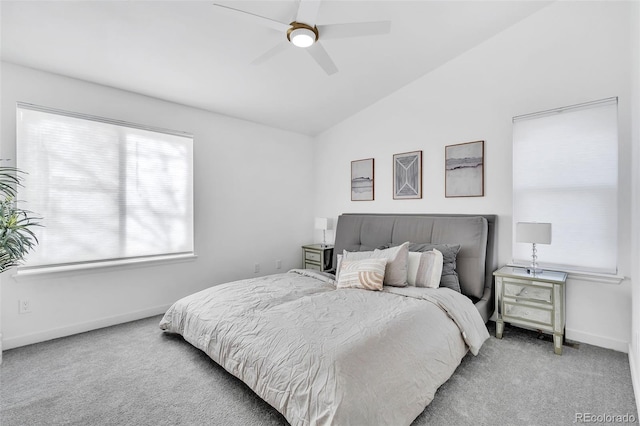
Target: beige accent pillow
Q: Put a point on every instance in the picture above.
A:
(425, 269)
(367, 274)
(396, 271)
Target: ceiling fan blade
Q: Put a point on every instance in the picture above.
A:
(321, 56)
(276, 25)
(270, 53)
(357, 29)
(308, 12)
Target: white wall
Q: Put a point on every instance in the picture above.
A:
(567, 53)
(253, 204)
(634, 347)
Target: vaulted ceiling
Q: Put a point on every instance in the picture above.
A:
(197, 54)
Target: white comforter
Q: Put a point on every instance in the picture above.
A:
(324, 356)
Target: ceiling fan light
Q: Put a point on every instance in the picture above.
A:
(302, 37)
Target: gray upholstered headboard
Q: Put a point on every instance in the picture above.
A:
(476, 259)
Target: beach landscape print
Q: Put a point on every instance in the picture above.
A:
(464, 170)
(407, 175)
(362, 180)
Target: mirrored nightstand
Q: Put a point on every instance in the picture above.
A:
(535, 301)
(317, 256)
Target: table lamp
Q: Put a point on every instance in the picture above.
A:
(534, 233)
(323, 224)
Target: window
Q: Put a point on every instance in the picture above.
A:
(565, 171)
(106, 190)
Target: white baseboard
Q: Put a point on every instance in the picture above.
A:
(68, 330)
(635, 379)
(596, 340)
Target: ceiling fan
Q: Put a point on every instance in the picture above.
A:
(304, 33)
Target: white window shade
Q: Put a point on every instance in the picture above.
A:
(565, 172)
(106, 190)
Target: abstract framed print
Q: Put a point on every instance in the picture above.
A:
(464, 170)
(407, 175)
(362, 180)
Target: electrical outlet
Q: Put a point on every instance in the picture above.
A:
(256, 268)
(24, 306)
(278, 264)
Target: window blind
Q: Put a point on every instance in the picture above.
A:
(565, 171)
(106, 190)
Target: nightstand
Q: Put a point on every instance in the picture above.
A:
(529, 300)
(317, 256)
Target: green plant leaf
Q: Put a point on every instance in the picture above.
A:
(16, 236)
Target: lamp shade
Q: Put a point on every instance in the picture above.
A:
(322, 223)
(533, 232)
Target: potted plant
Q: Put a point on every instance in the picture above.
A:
(16, 235)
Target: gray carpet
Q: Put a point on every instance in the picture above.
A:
(134, 374)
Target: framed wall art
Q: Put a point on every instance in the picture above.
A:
(407, 175)
(362, 180)
(464, 169)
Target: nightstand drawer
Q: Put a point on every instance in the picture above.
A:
(313, 256)
(312, 266)
(527, 313)
(520, 290)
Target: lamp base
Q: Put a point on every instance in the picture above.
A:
(534, 271)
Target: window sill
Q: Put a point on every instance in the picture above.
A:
(94, 267)
(585, 276)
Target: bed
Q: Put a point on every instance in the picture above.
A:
(323, 355)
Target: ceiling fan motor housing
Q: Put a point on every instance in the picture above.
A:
(302, 35)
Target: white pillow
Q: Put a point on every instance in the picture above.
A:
(424, 269)
(367, 274)
(396, 270)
